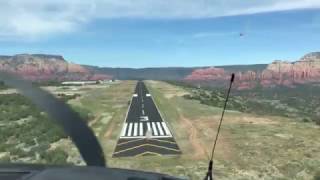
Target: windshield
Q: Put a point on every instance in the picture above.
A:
(150, 78)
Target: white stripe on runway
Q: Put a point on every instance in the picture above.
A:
(141, 129)
(165, 128)
(160, 129)
(154, 129)
(129, 130)
(124, 129)
(149, 127)
(135, 130)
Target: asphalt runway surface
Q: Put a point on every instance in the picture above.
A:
(144, 132)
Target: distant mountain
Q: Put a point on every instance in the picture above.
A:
(40, 67)
(54, 67)
(305, 70)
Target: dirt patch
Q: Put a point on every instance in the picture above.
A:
(250, 120)
(174, 94)
(109, 130)
(208, 126)
(199, 149)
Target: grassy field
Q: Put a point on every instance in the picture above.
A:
(250, 146)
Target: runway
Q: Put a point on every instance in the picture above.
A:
(144, 132)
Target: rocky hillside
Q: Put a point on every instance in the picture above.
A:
(305, 70)
(51, 67)
(38, 67)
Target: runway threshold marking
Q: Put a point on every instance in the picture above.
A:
(166, 129)
(130, 129)
(141, 129)
(124, 128)
(154, 128)
(148, 126)
(141, 139)
(135, 130)
(160, 129)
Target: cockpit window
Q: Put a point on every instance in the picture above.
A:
(151, 80)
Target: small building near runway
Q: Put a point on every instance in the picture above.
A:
(79, 83)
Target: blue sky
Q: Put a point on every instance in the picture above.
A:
(200, 33)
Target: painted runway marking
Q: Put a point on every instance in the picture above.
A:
(129, 130)
(154, 129)
(135, 130)
(124, 129)
(141, 129)
(144, 130)
(149, 127)
(166, 129)
(144, 118)
(160, 129)
(147, 144)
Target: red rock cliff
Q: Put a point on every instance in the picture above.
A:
(47, 67)
(305, 70)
